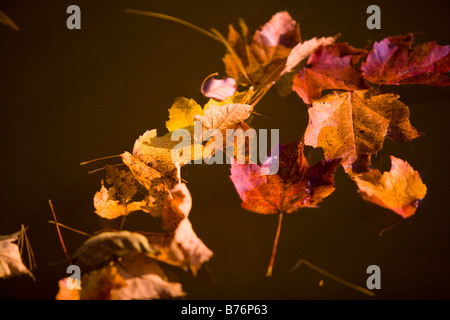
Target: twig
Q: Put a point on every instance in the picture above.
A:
(59, 233)
(331, 276)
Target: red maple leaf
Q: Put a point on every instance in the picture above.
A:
(393, 60)
(295, 185)
(330, 67)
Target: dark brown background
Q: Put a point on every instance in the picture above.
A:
(70, 96)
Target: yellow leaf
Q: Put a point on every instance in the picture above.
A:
(181, 114)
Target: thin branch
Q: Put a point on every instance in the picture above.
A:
(71, 229)
(59, 232)
(98, 159)
(173, 19)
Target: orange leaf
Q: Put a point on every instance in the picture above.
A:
(399, 190)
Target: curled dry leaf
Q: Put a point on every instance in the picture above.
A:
(400, 190)
(219, 89)
(393, 60)
(295, 185)
(330, 67)
(99, 250)
(10, 260)
(350, 125)
(181, 246)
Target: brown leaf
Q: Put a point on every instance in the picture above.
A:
(330, 67)
(393, 60)
(294, 186)
(400, 190)
(354, 124)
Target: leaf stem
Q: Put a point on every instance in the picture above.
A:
(275, 244)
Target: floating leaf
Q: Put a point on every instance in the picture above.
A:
(349, 125)
(393, 60)
(224, 117)
(107, 246)
(295, 185)
(304, 49)
(181, 247)
(260, 60)
(107, 207)
(144, 279)
(64, 293)
(399, 190)
(181, 114)
(330, 67)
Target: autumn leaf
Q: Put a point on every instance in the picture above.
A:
(144, 279)
(135, 276)
(393, 60)
(261, 59)
(181, 114)
(123, 185)
(65, 293)
(10, 260)
(304, 49)
(99, 250)
(152, 166)
(224, 117)
(106, 206)
(330, 67)
(400, 190)
(180, 246)
(219, 89)
(99, 284)
(5, 20)
(351, 125)
(295, 185)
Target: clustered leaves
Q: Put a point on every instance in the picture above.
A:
(349, 124)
